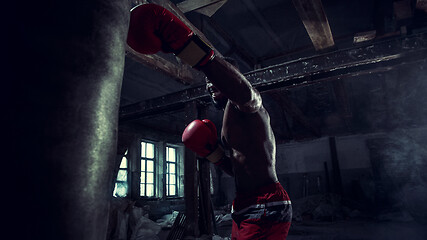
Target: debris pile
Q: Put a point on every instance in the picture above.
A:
(128, 222)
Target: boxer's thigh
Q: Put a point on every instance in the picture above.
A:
(260, 229)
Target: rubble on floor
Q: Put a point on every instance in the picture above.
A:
(324, 207)
(313, 215)
(128, 222)
(223, 215)
(167, 220)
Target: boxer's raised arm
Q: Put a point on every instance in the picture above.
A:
(230, 82)
(152, 28)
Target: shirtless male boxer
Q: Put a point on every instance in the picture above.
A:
(262, 208)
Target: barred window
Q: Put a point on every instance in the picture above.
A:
(171, 171)
(148, 170)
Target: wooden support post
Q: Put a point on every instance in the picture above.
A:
(343, 103)
(161, 173)
(328, 186)
(191, 180)
(206, 224)
(336, 173)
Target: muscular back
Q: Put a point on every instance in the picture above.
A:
(251, 140)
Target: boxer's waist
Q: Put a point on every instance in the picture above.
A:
(270, 195)
(255, 207)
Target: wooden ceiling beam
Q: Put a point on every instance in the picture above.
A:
(359, 60)
(315, 22)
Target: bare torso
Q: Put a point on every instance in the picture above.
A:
(246, 129)
(252, 144)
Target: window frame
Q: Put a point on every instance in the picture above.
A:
(154, 172)
(167, 174)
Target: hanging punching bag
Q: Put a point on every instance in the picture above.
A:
(66, 66)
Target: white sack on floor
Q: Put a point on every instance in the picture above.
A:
(145, 229)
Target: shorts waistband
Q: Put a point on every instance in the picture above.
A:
(261, 206)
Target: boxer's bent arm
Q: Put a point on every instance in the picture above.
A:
(225, 164)
(232, 84)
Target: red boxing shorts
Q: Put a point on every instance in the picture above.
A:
(263, 214)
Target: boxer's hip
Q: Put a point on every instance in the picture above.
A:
(270, 203)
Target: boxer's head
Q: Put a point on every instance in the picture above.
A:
(219, 100)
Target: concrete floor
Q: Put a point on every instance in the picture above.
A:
(342, 230)
(357, 230)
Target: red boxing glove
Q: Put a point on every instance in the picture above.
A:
(153, 28)
(201, 138)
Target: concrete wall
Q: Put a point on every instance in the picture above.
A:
(370, 164)
(305, 168)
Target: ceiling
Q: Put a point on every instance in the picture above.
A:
(268, 36)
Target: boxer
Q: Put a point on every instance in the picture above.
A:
(262, 208)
